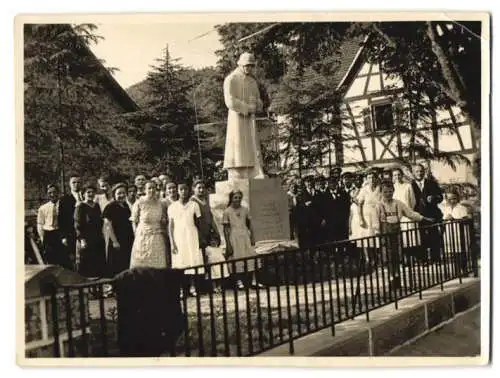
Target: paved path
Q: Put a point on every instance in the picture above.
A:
(459, 338)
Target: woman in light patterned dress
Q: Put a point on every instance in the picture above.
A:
(238, 233)
(149, 219)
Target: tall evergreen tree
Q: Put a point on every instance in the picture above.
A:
(165, 124)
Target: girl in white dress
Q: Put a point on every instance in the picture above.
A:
(238, 233)
(183, 218)
(453, 210)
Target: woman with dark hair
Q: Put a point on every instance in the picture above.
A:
(91, 259)
(149, 222)
(116, 217)
(183, 226)
(207, 230)
(238, 233)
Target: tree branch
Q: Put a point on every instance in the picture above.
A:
(384, 35)
(447, 70)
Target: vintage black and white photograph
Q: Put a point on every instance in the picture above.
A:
(228, 186)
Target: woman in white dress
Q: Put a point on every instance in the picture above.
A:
(354, 227)
(149, 221)
(368, 198)
(404, 192)
(102, 199)
(183, 221)
(239, 237)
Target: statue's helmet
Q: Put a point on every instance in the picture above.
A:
(246, 59)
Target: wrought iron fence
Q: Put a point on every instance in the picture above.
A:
(301, 291)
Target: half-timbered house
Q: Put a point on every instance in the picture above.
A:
(375, 127)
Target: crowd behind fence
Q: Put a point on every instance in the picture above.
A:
(304, 291)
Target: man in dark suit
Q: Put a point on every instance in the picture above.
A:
(323, 205)
(66, 216)
(335, 210)
(428, 195)
(346, 189)
(292, 209)
(305, 213)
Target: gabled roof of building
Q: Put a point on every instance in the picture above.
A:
(123, 98)
(350, 53)
(116, 89)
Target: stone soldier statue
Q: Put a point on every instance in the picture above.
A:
(242, 155)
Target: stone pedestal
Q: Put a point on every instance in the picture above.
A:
(266, 201)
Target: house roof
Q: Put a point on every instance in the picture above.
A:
(350, 52)
(116, 89)
(109, 81)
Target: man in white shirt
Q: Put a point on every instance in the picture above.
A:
(48, 229)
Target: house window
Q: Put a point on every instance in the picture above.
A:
(383, 117)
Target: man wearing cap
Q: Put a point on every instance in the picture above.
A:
(336, 175)
(242, 156)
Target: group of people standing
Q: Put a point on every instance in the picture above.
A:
(361, 206)
(101, 230)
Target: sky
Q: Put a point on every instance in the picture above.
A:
(133, 48)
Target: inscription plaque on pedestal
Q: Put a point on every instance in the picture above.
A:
(269, 210)
(267, 203)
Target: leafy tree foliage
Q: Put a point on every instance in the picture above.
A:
(66, 116)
